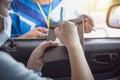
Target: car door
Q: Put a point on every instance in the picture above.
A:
(102, 56)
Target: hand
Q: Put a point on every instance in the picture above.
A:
(36, 59)
(38, 32)
(89, 24)
(67, 33)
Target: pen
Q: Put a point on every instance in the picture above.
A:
(61, 14)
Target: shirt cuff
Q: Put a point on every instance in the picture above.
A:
(38, 73)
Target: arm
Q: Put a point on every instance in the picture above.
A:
(38, 32)
(79, 67)
(67, 33)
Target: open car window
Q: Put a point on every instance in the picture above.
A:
(97, 10)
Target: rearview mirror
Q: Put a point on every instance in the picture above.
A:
(113, 16)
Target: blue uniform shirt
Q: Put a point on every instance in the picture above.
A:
(26, 14)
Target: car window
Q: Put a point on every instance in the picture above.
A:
(97, 10)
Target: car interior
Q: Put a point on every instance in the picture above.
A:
(101, 47)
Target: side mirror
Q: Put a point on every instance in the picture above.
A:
(113, 16)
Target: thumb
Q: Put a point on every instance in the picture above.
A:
(47, 44)
(39, 51)
(42, 47)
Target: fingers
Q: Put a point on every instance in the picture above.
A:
(42, 47)
(87, 27)
(90, 21)
(42, 35)
(47, 44)
(60, 24)
(88, 24)
(65, 25)
(42, 32)
(57, 30)
(39, 51)
(42, 29)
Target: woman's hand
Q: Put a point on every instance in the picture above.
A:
(36, 59)
(67, 33)
(38, 32)
(88, 23)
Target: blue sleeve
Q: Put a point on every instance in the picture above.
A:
(19, 27)
(15, 30)
(13, 70)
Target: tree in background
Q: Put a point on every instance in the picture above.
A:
(115, 1)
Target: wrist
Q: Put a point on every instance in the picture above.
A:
(72, 43)
(38, 73)
(74, 46)
(25, 36)
(34, 65)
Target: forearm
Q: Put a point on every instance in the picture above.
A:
(79, 67)
(23, 36)
(35, 64)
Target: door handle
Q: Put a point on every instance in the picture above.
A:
(100, 62)
(11, 46)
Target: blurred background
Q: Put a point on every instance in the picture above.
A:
(97, 9)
